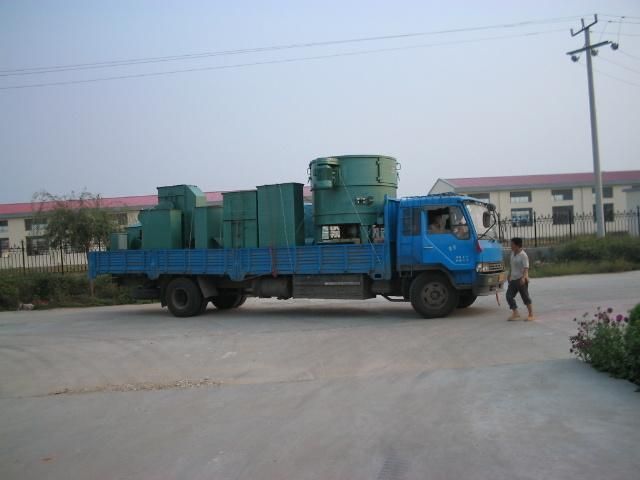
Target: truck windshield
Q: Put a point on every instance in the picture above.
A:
(477, 211)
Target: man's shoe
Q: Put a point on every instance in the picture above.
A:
(530, 318)
(514, 316)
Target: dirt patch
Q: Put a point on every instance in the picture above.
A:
(141, 386)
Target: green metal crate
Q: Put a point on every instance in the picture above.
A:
(240, 233)
(208, 226)
(185, 198)
(161, 228)
(118, 241)
(240, 205)
(134, 237)
(281, 215)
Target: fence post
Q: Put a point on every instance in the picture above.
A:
(535, 230)
(24, 264)
(570, 225)
(61, 259)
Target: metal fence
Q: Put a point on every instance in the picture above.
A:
(22, 259)
(549, 230)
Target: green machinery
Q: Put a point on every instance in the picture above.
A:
(281, 215)
(240, 219)
(171, 223)
(134, 236)
(348, 200)
(161, 228)
(348, 195)
(208, 226)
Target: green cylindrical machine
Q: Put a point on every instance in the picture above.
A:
(348, 195)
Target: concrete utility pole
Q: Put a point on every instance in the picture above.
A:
(591, 51)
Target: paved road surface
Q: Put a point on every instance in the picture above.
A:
(316, 390)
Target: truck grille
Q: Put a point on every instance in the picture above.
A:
(494, 267)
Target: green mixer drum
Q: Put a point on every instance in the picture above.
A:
(350, 189)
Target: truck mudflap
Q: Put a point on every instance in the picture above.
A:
(488, 283)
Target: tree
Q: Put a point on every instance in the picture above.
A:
(76, 220)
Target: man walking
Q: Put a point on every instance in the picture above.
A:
(519, 280)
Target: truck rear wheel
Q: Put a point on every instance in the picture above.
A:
(466, 299)
(184, 298)
(225, 301)
(432, 295)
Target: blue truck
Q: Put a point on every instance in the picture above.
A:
(437, 252)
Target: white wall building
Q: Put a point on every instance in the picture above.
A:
(560, 196)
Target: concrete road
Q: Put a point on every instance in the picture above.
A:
(316, 390)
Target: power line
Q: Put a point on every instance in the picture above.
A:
(619, 16)
(613, 77)
(191, 56)
(617, 78)
(623, 20)
(273, 62)
(629, 55)
(623, 34)
(620, 65)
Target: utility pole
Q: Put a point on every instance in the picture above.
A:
(591, 51)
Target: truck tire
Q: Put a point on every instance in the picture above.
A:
(184, 297)
(225, 301)
(432, 295)
(466, 299)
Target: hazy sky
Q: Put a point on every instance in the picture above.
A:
(501, 107)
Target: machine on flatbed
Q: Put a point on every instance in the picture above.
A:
(438, 252)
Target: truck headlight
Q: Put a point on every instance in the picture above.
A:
(484, 267)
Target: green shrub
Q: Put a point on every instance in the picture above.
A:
(634, 315)
(632, 347)
(57, 290)
(601, 249)
(9, 295)
(610, 343)
(607, 350)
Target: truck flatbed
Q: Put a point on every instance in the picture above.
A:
(240, 263)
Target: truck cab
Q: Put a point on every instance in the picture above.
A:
(447, 252)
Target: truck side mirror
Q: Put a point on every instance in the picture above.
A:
(486, 219)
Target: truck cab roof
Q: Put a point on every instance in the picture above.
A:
(437, 199)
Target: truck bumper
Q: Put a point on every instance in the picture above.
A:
(488, 283)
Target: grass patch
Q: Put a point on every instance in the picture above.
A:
(590, 255)
(581, 268)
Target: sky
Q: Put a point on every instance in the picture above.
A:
(463, 106)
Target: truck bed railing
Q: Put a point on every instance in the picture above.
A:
(240, 263)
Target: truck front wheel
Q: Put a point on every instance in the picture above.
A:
(184, 297)
(466, 299)
(432, 295)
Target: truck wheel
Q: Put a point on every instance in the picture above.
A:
(432, 295)
(225, 301)
(466, 299)
(184, 297)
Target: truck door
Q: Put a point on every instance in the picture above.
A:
(409, 236)
(447, 238)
